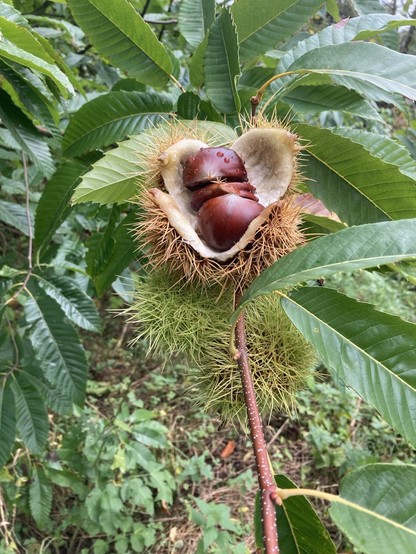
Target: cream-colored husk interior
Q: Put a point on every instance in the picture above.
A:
(268, 155)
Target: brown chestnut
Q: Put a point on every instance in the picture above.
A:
(223, 220)
(213, 164)
(201, 195)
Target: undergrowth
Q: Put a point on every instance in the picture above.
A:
(141, 469)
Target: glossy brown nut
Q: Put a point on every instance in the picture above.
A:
(199, 196)
(213, 164)
(223, 220)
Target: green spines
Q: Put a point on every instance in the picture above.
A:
(177, 318)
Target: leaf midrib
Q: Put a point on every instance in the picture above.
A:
(349, 182)
(114, 121)
(350, 343)
(365, 77)
(247, 37)
(135, 44)
(377, 261)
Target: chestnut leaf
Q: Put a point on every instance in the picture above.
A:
(370, 351)
(261, 25)
(359, 175)
(382, 521)
(222, 65)
(7, 421)
(119, 32)
(113, 117)
(350, 249)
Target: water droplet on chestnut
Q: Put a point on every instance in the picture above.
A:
(213, 164)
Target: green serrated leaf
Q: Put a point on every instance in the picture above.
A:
(26, 135)
(56, 346)
(11, 52)
(114, 177)
(370, 351)
(315, 99)
(122, 253)
(31, 415)
(195, 18)
(343, 32)
(120, 33)
(363, 62)
(101, 244)
(353, 180)
(14, 214)
(23, 39)
(75, 303)
(37, 106)
(347, 250)
(380, 517)
(339, 33)
(389, 150)
(300, 529)
(299, 525)
(263, 24)
(222, 65)
(53, 206)
(112, 117)
(197, 64)
(188, 105)
(7, 420)
(59, 62)
(40, 497)
(51, 395)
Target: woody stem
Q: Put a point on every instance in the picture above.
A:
(267, 485)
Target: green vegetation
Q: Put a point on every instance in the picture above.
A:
(103, 446)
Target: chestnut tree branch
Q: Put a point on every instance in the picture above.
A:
(267, 485)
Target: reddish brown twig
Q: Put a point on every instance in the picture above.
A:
(267, 485)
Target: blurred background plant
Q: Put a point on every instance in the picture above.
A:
(118, 460)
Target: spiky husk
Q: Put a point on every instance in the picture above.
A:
(184, 319)
(281, 363)
(180, 318)
(278, 236)
(165, 248)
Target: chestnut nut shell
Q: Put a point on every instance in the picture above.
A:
(213, 164)
(201, 195)
(269, 155)
(224, 219)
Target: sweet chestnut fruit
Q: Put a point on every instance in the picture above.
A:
(223, 220)
(213, 164)
(221, 194)
(201, 195)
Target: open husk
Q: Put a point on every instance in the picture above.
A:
(169, 231)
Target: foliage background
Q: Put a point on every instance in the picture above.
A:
(117, 459)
